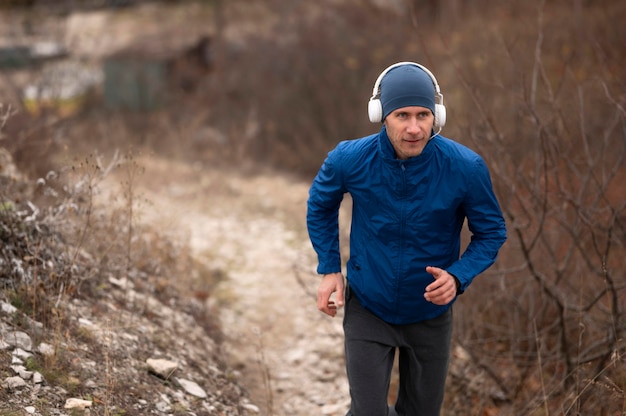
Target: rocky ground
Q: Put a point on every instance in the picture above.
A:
(278, 355)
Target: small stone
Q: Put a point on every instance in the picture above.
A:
(74, 403)
(13, 382)
(85, 323)
(37, 378)
(7, 308)
(19, 339)
(21, 371)
(192, 388)
(251, 408)
(30, 410)
(163, 368)
(45, 349)
(122, 283)
(91, 384)
(20, 353)
(163, 407)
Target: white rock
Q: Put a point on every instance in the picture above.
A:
(13, 382)
(21, 371)
(122, 283)
(192, 388)
(37, 378)
(74, 403)
(45, 349)
(163, 407)
(26, 375)
(47, 49)
(251, 408)
(7, 308)
(162, 367)
(30, 410)
(20, 353)
(19, 339)
(85, 323)
(17, 368)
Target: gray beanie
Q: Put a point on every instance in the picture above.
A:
(406, 86)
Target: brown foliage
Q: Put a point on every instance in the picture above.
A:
(550, 121)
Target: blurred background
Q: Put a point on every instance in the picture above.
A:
(536, 87)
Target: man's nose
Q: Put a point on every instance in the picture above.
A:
(413, 126)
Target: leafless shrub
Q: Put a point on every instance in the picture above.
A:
(550, 332)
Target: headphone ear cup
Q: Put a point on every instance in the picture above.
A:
(375, 110)
(440, 116)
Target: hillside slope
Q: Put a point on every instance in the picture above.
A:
(239, 332)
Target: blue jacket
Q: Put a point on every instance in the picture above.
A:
(406, 215)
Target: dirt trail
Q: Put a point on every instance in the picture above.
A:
(289, 356)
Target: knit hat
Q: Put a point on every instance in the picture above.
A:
(405, 86)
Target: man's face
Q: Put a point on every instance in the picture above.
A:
(409, 129)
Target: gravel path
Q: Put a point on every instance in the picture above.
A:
(288, 355)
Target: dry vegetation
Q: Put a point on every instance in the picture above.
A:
(536, 87)
(60, 250)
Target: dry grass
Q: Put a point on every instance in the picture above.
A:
(64, 250)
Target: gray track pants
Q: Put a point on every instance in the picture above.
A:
(370, 350)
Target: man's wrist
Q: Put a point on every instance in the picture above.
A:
(457, 282)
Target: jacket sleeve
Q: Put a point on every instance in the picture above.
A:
(486, 224)
(325, 196)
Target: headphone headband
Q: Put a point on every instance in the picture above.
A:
(376, 89)
(375, 108)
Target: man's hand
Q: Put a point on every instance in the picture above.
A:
(330, 283)
(443, 290)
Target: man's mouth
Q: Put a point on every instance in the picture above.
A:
(412, 140)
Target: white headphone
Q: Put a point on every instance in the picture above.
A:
(375, 107)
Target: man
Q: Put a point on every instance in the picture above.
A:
(412, 190)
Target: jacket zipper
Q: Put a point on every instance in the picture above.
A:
(402, 214)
